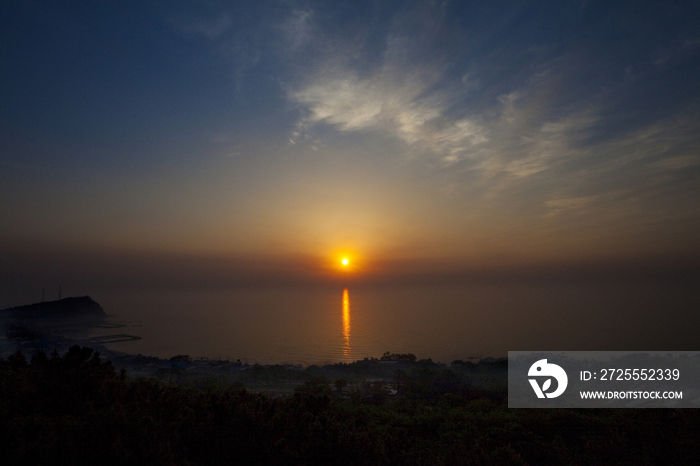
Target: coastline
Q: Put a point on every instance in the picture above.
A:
(272, 379)
(54, 327)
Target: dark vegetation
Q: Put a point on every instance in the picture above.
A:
(77, 409)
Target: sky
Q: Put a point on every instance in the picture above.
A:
(219, 142)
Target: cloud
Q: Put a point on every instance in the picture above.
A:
(670, 144)
(677, 163)
(345, 102)
(396, 86)
(537, 125)
(513, 142)
(522, 136)
(555, 141)
(574, 204)
(471, 82)
(393, 100)
(635, 176)
(297, 29)
(234, 31)
(414, 95)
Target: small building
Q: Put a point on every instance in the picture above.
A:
(378, 386)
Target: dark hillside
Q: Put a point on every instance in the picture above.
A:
(82, 306)
(76, 409)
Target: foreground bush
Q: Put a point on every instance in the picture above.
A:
(76, 409)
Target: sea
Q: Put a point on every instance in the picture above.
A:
(330, 324)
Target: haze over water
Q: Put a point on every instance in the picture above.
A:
(445, 323)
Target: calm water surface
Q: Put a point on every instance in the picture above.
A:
(321, 325)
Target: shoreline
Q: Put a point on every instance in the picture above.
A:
(272, 379)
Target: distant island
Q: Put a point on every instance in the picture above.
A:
(82, 306)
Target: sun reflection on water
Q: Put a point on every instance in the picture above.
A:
(346, 323)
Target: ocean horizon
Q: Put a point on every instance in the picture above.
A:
(331, 324)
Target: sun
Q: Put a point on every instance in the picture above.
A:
(344, 261)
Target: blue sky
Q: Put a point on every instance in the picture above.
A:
(435, 134)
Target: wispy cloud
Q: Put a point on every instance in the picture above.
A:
(535, 127)
(233, 31)
(569, 204)
(677, 163)
(297, 29)
(418, 99)
(348, 103)
(633, 176)
(394, 98)
(515, 125)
